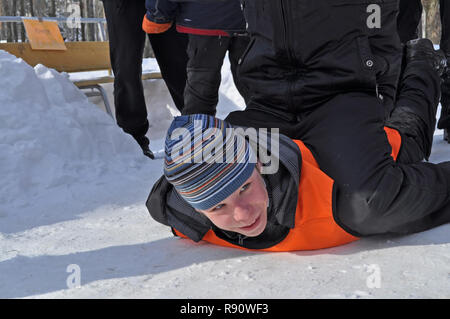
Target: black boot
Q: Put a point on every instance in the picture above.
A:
(423, 50)
(144, 144)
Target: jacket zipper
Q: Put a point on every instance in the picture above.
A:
(286, 32)
(241, 239)
(289, 53)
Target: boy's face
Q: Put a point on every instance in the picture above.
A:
(244, 211)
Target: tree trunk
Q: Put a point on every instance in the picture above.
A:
(31, 7)
(433, 20)
(52, 12)
(100, 13)
(7, 8)
(91, 28)
(22, 27)
(2, 29)
(83, 15)
(14, 24)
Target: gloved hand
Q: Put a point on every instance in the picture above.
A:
(144, 144)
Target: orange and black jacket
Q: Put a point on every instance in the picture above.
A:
(215, 18)
(301, 214)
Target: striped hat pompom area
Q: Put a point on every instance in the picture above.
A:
(206, 160)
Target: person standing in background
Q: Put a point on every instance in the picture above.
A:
(214, 28)
(127, 41)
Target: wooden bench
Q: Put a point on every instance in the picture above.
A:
(79, 57)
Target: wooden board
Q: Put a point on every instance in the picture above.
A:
(44, 35)
(79, 56)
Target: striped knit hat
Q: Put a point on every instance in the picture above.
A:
(206, 160)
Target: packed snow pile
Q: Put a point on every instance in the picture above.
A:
(50, 134)
(73, 221)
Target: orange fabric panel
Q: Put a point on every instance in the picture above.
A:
(315, 227)
(152, 27)
(395, 140)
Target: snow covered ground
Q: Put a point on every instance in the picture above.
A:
(73, 223)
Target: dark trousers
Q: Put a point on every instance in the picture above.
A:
(374, 194)
(410, 12)
(127, 40)
(206, 55)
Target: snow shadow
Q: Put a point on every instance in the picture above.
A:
(27, 276)
(69, 202)
(437, 236)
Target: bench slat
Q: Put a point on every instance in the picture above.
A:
(110, 79)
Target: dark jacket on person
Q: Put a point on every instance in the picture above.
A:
(211, 18)
(304, 52)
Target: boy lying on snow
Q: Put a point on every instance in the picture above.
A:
(346, 173)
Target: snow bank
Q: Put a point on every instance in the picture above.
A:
(50, 135)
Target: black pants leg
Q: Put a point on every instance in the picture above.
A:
(444, 120)
(126, 49)
(374, 193)
(237, 48)
(444, 7)
(127, 40)
(206, 54)
(170, 49)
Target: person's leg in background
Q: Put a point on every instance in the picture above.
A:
(127, 41)
(206, 54)
(410, 12)
(238, 45)
(444, 8)
(409, 15)
(444, 120)
(170, 49)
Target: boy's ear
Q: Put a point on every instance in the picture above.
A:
(258, 166)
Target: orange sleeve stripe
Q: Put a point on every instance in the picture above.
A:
(152, 27)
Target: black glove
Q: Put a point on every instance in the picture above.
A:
(144, 144)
